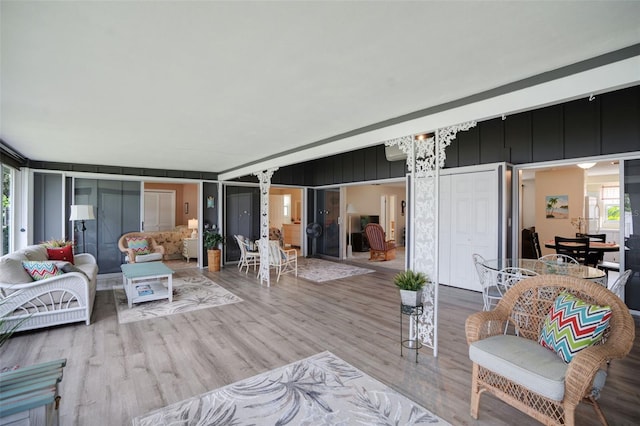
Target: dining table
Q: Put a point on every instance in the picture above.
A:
(542, 267)
(599, 246)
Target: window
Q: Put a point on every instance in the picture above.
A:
(610, 196)
(7, 208)
(286, 205)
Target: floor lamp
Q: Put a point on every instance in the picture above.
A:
(350, 210)
(82, 212)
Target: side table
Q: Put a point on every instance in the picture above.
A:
(412, 341)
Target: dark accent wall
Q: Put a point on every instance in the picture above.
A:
(126, 171)
(609, 124)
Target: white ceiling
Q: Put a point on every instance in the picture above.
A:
(213, 86)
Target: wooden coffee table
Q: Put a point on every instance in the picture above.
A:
(145, 281)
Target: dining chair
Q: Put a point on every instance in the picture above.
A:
(509, 276)
(282, 260)
(535, 240)
(578, 248)
(594, 258)
(618, 285)
(247, 257)
(487, 276)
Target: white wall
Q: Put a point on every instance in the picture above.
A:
(366, 200)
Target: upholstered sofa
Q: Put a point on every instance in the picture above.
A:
(170, 241)
(55, 300)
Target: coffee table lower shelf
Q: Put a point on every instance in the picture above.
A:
(147, 278)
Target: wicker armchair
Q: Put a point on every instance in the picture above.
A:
(156, 250)
(525, 306)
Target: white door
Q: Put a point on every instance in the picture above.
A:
(469, 224)
(276, 211)
(159, 210)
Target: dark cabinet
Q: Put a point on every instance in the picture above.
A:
(359, 242)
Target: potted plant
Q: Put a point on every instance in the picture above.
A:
(410, 284)
(212, 241)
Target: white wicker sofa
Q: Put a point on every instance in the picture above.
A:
(52, 301)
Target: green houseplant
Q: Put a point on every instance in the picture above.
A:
(212, 241)
(410, 284)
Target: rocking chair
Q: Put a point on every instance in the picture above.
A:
(380, 249)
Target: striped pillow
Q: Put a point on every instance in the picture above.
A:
(40, 270)
(572, 325)
(139, 245)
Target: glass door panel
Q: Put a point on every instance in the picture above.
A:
(327, 214)
(632, 232)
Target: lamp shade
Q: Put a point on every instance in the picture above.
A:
(193, 224)
(350, 209)
(81, 212)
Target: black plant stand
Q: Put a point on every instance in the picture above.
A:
(413, 312)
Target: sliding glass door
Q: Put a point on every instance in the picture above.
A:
(327, 215)
(632, 231)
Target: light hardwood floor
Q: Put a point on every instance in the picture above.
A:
(116, 372)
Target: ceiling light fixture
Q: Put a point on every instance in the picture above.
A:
(423, 136)
(586, 166)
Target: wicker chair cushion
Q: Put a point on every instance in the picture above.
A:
(151, 257)
(522, 361)
(572, 325)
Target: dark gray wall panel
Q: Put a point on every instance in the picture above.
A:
(621, 121)
(517, 137)
(547, 134)
(582, 128)
(468, 147)
(492, 141)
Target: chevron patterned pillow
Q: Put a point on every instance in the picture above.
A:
(40, 270)
(572, 325)
(139, 245)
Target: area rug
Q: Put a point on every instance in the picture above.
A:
(319, 270)
(320, 390)
(190, 293)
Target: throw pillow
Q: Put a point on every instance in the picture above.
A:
(60, 253)
(572, 325)
(41, 270)
(139, 245)
(12, 272)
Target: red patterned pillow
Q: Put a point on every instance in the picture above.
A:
(60, 253)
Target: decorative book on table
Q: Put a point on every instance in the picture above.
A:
(144, 290)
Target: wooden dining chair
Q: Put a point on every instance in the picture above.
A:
(578, 248)
(594, 258)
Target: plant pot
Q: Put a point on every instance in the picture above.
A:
(213, 258)
(411, 297)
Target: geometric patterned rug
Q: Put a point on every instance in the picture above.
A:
(320, 390)
(319, 270)
(190, 292)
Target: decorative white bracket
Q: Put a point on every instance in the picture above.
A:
(264, 178)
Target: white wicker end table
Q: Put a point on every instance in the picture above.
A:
(145, 281)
